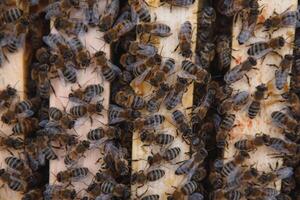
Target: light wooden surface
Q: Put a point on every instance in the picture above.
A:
(83, 126)
(12, 73)
(262, 123)
(173, 18)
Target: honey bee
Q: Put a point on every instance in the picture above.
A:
(231, 7)
(11, 15)
(234, 103)
(118, 190)
(33, 194)
(282, 73)
(82, 55)
(110, 132)
(284, 121)
(64, 139)
(186, 189)
(216, 180)
(70, 27)
(175, 95)
(91, 13)
(154, 29)
(249, 20)
(201, 110)
(259, 95)
(142, 177)
(74, 155)
(225, 126)
(165, 155)
(261, 49)
(11, 117)
(207, 17)
(191, 164)
(127, 100)
(73, 174)
(158, 77)
(239, 71)
(7, 95)
(161, 139)
(32, 104)
(232, 166)
(281, 173)
(13, 45)
(141, 49)
(26, 126)
(12, 181)
(118, 30)
(109, 71)
(206, 54)
(59, 192)
(250, 144)
(18, 166)
(8, 143)
(87, 94)
(88, 109)
(117, 114)
(22, 27)
(185, 39)
(148, 122)
(285, 19)
(294, 104)
(42, 55)
(109, 15)
(153, 104)
(220, 194)
(181, 123)
(195, 72)
(281, 146)
(180, 3)
(141, 9)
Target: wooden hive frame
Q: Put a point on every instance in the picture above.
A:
(262, 123)
(173, 17)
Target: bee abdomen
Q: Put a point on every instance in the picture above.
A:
(80, 172)
(107, 187)
(55, 113)
(95, 134)
(227, 169)
(164, 139)
(49, 153)
(78, 111)
(172, 153)
(12, 15)
(138, 103)
(189, 188)
(227, 122)
(151, 197)
(155, 174)
(14, 162)
(253, 110)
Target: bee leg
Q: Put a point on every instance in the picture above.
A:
(10, 152)
(176, 48)
(248, 80)
(273, 65)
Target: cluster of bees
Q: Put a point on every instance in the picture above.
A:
(64, 56)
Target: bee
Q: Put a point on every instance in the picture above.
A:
(159, 139)
(82, 55)
(141, 9)
(261, 49)
(216, 180)
(282, 73)
(64, 139)
(109, 71)
(206, 54)
(186, 189)
(117, 114)
(11, 15)
(285, 19)
(141, 49)
(42, 55)
(191, 164)
(54, 40)
(231, 7)
(250, 144)
(185, 39)
(181, 123)
(223, 51)
(11, 117)
(175, 95)
(90, 109)
(230, 167)
(159, 76)
(284, 121)
(91, 13)
(87, 94)
(249, 20)
(220, 194)
(153, 104)
(74, 155)
(33, 194)
(197, 73)
(207, 17)
(13, 45)
(70, 27)
(118, 30)
(255, 105)
(239, 71)
(73, 174)
(154, 29)
(7, 143)
(7, 95)
(110, 132)
(281, 146)
(142, 177)
(279, 174)
(25, 126)
(118, 190)
(18, 166)
(180, 3)
(126, 100)
(294, 104)
(12, 181)
(225, 126)
(201, 110)
(148, 122)
(59, 192)
(165, 155)
(234, 103)
(109, 15)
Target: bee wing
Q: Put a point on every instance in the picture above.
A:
(284, 172)
(25, 114)
(114, 67)
(185, 74)
(196, 196)
(52, 10)
(114, 108)
(139, 79)
(104, 197)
